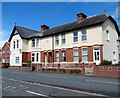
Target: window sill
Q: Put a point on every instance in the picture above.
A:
(84, 41)
(75, 42)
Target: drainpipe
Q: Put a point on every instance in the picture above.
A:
(53, 48)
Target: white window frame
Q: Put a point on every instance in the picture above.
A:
(17, 44)
(76, 55)
(57, 40)
(75, 36)
(3, 60)
(35, 42)
(63, 39)
(17, 60)
(84, 35)
(85, 55)
(57, 56)
(13, 44)
(64, 56)
(36, 57)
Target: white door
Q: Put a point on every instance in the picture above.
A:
(96, 55)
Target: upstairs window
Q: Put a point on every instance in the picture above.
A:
(14, 45)
(75, 36)
(84, 35)
(107, 35)
(37, 42)
(76, 58)
(63, 56)
(63, 38)
(33, 43)
(57, 56)
(57, 39)
(17, 43)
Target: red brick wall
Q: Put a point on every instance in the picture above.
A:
(101, 53)
(90, 54)
(69, 55)
(80, 55)
(42, 56)
(26, 56)
(114, 73)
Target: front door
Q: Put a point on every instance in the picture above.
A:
(96, 55)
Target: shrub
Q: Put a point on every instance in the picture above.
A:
(75, 71)
(5, 66)
(63, 70)
(49, 69)
(106, 62)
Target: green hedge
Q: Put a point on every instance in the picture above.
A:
(106, 62)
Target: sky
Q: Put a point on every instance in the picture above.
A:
(34, 14)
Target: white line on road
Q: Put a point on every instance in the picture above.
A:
(36, 93)
(102, 81)
(44, 85)
(51, 76)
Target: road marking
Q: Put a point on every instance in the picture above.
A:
(57, 87)
(102, 81)
(18, 73)
(51, 76)
(36, 93)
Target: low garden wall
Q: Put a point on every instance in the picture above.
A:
(107, 71)
(21, 68)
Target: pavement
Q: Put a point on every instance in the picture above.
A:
(52, 84)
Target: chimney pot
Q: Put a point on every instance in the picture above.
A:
(81, 16)
(44, 27)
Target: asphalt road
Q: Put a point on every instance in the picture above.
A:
(86, 85)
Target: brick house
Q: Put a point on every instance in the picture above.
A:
(6, 54)
(87, 40)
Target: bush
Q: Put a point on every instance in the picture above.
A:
(75, 71)
(63, 70)
(49, 69)
(28, 61)
(5, 66)
(106, 62)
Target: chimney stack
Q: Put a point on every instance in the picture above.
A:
(81, 16)
(44, 27)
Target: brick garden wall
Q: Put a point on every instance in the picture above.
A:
(107, 71)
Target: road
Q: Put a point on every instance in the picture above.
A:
(51, 84)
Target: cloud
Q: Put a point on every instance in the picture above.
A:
(2, 41)
(115, 13)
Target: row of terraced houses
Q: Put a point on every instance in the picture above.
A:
(87, 40)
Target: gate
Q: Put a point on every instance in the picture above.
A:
(88, 70)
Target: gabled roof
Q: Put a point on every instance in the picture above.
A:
(6, 43)
(88, 22)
